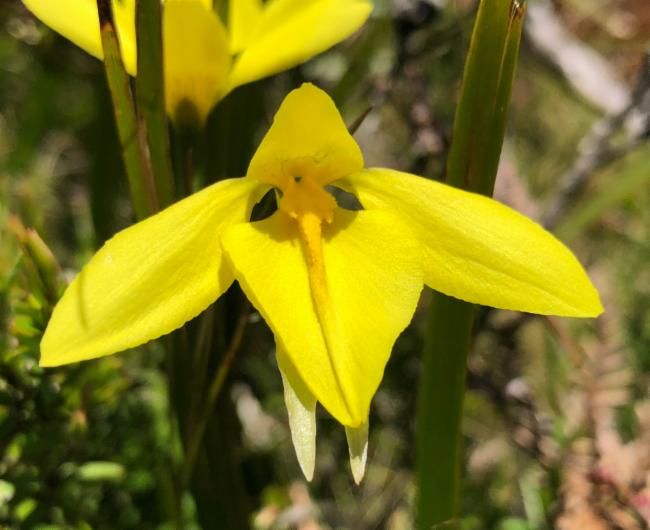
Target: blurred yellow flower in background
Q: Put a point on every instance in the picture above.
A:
(336, 286)
(204, 58)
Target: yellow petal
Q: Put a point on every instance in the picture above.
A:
(301, 407)
(77, 21)
(124, 13)
(307, 138)
(358, 448)
(150, 278)
(243, 19)
(197, 60)
(479, 250)
(374, 279)
(292, 31)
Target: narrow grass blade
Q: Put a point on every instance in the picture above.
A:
(631, 175)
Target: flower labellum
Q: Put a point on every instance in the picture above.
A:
(205, 59)
(335, 286)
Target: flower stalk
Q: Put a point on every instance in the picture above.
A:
(472, 165)
(150, 97)
(207, 409)
(133, 141)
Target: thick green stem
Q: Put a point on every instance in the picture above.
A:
(473, 160)
(198, 428)
(210, 437)
(150, 97)
(440, 410)
(211, 465)
(132, 139)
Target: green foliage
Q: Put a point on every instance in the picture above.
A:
(83, 446)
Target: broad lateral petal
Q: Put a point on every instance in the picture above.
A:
(374, 279)
(479, 250)
(197, 59)
(243, 19)
(77, 21)
(150, 278)
(301, 407)
(292, 31)
(307, 136)
(358, 448)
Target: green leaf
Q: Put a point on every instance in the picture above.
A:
(24, 509)
(513, 523)
(7, 490)
(100, 471)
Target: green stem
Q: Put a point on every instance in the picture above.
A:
(198, 430)
(201, 360)
(131, 135)
(175, 344)
(150, 96)
(473, 160)
(185, 142)
(440, 404)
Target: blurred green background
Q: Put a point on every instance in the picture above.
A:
(557, 419)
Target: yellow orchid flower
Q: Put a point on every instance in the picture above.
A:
(203, 59)
(335, 286)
